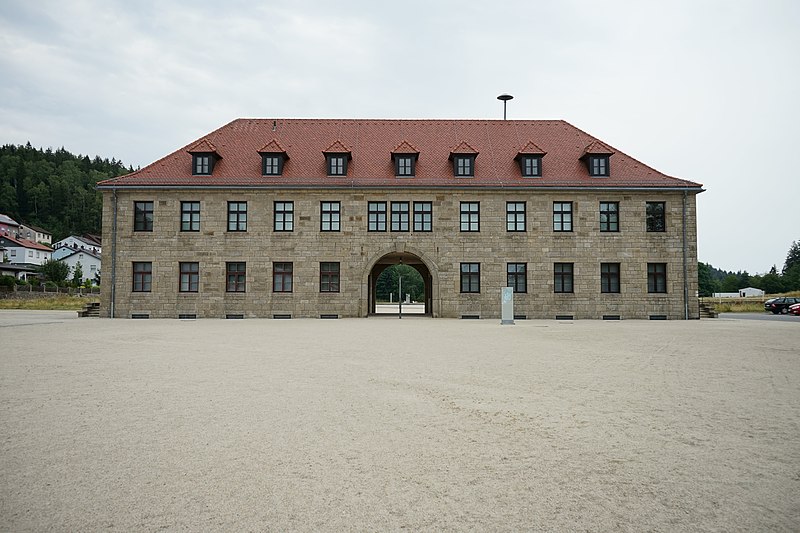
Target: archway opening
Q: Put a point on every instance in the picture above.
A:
(385, 287)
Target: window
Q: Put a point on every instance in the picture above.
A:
(376, 216)
(609, 216)
(423, 216)
(190, 277)
(399, 216)
(202, 164)
(337, 164)
(237, 216)
(656, 277)
(404, 165)
(236, 275)
(142, 216)
(272, 164)
(470, 216)
(30, 253)
(329, 277)
(609, 277)
(517, 277)
(470, 277)
(330, 216)
(515, 216)
(531, 165)
(284, 216)
(282, 276)
(598, 165)
(142, 276)
(562, 279)
(562, 216)
(190, 216)
(656, 216)
(464, 165)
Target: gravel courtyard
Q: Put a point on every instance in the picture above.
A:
(383, 424)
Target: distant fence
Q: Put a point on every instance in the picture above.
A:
(31, 291)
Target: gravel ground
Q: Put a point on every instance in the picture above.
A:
(386, 424)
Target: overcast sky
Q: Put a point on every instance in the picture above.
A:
(702, 90)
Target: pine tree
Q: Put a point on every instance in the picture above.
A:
(792, 258)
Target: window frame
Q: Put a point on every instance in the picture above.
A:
(404, 166)
(470, 278)
(562, 217)
(599, 166)
(334, 211)
(141, 221)
(235, 276)
(517, 277)
(609, 217)
(376, 217)
(272, 164)
(329, 280)
(142, 280)
(283, 218)
(190, 217)
(655, 222)
(236, 217)
(400, 218)
(516, 217)
(473, 217)
(528, 169)
(202, 164)
(564, 278)
(463, 165)
(610, 282)
(656, 278)
(189, 277)
(336, 162)
(282, 276)
(423, 214)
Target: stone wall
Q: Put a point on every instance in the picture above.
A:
(442, 250)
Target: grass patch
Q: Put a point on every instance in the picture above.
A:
(739, 307)
(54, 303)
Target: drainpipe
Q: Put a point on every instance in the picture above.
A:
(685, 265)
(114, 254)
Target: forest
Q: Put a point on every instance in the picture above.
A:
(54, 190)
(775, 281)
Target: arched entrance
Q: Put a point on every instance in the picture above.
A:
(407, 258)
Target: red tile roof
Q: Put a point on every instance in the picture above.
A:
(203, 146)
(337, 147)
(25, 243)
(405, 147)
(531, 148)
(272, 147)
(599, 148)
(371, 142)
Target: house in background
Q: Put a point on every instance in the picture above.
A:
(8, 226)
(65, 247)
(90, 263)
(291, 218)
(750, 291)
(36, 234)
(23, 256)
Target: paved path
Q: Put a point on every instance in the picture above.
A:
(371, 424)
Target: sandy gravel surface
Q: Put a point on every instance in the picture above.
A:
(382, 424)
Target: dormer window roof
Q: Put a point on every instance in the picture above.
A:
(273, 157)
(597, 158)
(204, 157)
(337, 156)
(530, 160)
(463, 158)
(405, 157)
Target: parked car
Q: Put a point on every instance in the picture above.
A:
(780, 305)
(794, 309)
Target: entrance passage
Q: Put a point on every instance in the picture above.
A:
(385, 285)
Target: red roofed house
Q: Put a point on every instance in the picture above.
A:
(286, 217)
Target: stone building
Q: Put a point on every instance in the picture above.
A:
(297, 218)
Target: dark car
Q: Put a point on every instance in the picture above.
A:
(780, 305)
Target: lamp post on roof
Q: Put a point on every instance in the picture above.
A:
(505, 98)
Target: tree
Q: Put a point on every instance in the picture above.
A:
(792, 257)
(77, 275)
(707, 285)
(54, 271)
(387, 283)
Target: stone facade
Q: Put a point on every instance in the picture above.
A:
(442, 251)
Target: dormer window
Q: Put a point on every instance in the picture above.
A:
(337, 157)
(597, 157)
(405, 160)
(273, 156)
(463, 158)
(337, 165)
(531, 166)
(203, 164)
(598, 165)
(204, 157)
